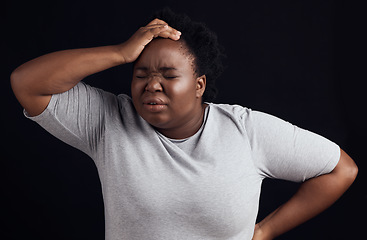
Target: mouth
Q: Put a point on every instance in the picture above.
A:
(155, 105)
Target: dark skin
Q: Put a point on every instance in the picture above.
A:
(167, 93)
(164, 76)
(35, 81)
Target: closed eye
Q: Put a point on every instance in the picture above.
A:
(170, 77)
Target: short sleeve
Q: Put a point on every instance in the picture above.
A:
(78, 116)
(284, 151)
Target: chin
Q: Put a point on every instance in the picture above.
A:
(157, 121)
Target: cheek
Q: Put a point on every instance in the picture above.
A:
(182, 90)
(136, 88)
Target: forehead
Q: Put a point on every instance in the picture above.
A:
(165, 53)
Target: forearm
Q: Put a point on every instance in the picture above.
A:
(34, 82)
(310, 200)
(60, 71)
(313, 197)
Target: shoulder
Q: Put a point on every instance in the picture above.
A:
(125, 103)
(236, 112)
(124, 98)
(246, 118)
(100, 98)
(226, 115)
(230, 110)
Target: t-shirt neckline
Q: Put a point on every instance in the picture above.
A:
(206, 111)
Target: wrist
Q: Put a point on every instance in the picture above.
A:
(127, 53)
(119, 54)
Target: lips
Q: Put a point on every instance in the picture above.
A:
(154, 104)
(153, 98)
(154, 101)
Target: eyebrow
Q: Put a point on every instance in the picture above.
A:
(167, 68)
(161, 69)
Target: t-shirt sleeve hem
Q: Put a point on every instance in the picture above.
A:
(43, 114)
(47, 119)
(330, 166)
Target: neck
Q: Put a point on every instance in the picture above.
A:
(188, 129)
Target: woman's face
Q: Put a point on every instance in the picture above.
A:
(165, 89)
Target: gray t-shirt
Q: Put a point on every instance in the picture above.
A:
(203, 187)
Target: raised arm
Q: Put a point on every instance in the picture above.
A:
(34, 82)
(313, 197)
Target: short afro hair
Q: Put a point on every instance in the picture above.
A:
(202, 44)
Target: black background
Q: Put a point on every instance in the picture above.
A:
(298, 60)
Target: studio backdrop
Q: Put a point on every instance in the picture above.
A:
(291, 59)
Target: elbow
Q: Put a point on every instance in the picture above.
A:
(351, 172)
(20, 81)
(350, 169)
(18, 85)
(15, 80)
(349, 175)
(347, 168)
(13, 77)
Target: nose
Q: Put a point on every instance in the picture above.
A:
(154, 85)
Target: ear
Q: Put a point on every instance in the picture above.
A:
(200, 86)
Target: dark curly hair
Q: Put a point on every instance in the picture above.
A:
(202, 43)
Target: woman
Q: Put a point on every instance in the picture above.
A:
(172, 165)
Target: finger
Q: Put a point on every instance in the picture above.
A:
(170, 29)
(164, 31)
(170, 33)
(145, 35)
(155, 31)
(156, 21)
(151, 26)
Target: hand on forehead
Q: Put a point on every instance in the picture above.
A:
(165, 53)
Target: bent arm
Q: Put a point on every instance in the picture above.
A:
(35, 81)
(313, 197)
